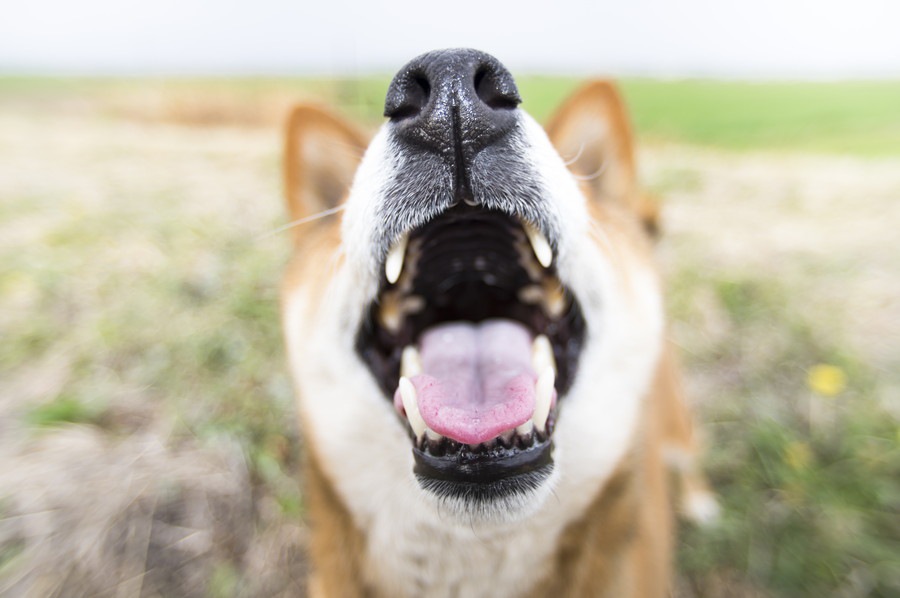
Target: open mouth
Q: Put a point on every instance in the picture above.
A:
(476, 340)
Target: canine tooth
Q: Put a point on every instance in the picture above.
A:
(411, 405)
(542, 354)
(393, 265)
(539, 245)
(543, 392)
(525, 429)
(432, 435)
(410, 362)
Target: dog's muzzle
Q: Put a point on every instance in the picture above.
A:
(472, 334)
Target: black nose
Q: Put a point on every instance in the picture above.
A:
(452, 102)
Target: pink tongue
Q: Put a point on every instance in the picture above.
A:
(477, 379)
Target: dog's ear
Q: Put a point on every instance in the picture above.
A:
(592, 133)
(321, 153)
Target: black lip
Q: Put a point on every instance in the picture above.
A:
(485, 475)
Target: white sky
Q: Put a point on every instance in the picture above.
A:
(756, 38)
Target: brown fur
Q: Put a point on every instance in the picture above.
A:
(621, 546)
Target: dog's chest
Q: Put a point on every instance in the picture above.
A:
(430, 558)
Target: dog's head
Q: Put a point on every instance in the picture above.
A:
(482, 324)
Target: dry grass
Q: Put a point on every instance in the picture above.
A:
(138, 461)
(146, 421)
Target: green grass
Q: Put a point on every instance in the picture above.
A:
(846, 117)
(853, 117)
(809, 484)
(62, 410)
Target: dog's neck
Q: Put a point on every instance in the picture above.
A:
(414, 552)
(410, 552)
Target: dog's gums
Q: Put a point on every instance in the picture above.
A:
(474, 337)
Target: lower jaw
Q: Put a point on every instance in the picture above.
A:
(498, 474)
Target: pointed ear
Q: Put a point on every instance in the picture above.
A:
(321, 153)
(592, 133)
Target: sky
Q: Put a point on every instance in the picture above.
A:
(664, 38)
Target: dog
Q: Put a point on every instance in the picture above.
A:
(475, 328)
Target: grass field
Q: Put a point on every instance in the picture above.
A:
(146, 420)
(860, 117)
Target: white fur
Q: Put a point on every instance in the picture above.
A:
(376, 168)
(366, 452)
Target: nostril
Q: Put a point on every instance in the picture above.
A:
(408, 98)
(496, 90)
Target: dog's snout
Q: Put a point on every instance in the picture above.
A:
(452, 102)
(457, 136)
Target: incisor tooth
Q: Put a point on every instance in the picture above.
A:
(525, 429)
(543, 392)
(539, 245)
(410, 362)
(411, 405)
(393, 265)
(542, 354)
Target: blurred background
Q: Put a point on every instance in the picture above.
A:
(147, 434)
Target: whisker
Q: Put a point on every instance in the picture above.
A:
(301, 221)
(575, 158)
(593, 176)
(596, 231)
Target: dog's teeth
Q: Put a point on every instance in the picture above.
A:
(411, 405)
(410, 362)
(507, 436)
(412, 304)
(543, 392)
(525, 429)
(393, 265)
(432, 435)
(531, 294)
(554, 300)
(390, 315)
(394, 308)
(539, 245)
(542, 354)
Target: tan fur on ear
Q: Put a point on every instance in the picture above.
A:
(321, 153)
(591, 131)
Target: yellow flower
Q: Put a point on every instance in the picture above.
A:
(797, 455)
(826, 380)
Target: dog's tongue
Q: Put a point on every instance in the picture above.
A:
(477, 380)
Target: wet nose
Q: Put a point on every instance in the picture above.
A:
(453, 103)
